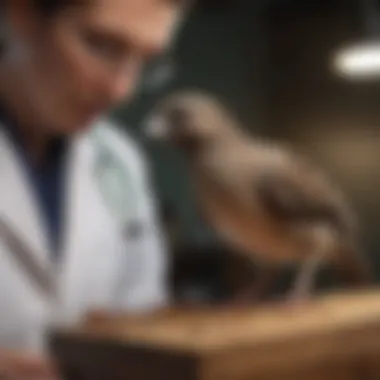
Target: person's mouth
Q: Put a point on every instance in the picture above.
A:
(91, 112)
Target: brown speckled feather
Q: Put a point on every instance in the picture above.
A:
(260, 197)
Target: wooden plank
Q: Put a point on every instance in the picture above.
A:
(339, 334)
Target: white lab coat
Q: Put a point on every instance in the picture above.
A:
(100, 267)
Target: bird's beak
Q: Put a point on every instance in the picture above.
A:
(156, 128)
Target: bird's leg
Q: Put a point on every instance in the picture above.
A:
(305, 280)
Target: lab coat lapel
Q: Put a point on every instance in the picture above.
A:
(18, 203)
(87, 264)
(74, 250)
(91, 242)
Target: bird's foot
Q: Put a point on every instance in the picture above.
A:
(298, 300)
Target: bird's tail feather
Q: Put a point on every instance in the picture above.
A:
(353, 267)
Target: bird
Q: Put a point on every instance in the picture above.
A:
(263, 198)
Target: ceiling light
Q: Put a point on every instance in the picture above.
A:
(361, 60)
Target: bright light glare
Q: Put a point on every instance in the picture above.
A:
(360, 61)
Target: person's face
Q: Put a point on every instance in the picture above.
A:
(87, 59)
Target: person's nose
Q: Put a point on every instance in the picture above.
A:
(121, 84)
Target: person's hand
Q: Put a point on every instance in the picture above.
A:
(16, 365)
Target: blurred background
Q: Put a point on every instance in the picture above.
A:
(288, 70)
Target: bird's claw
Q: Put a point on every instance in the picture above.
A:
(298, 301)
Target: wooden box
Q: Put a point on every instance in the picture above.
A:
(336, 337)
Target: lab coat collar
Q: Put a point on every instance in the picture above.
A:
(17, 203)
(27, 221)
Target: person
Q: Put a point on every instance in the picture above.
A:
(76, 207)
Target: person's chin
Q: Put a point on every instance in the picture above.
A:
(80, 126)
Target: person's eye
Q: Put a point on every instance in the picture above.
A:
(102, 46)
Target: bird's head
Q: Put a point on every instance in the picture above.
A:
(189, 120)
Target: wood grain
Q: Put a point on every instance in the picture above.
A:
(334, 337)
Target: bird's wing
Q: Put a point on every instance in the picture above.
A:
(300, 196)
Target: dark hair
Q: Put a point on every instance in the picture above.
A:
(50, 7)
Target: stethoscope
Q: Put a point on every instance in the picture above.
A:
(122, 199)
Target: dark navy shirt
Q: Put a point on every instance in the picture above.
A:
(46, 181)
